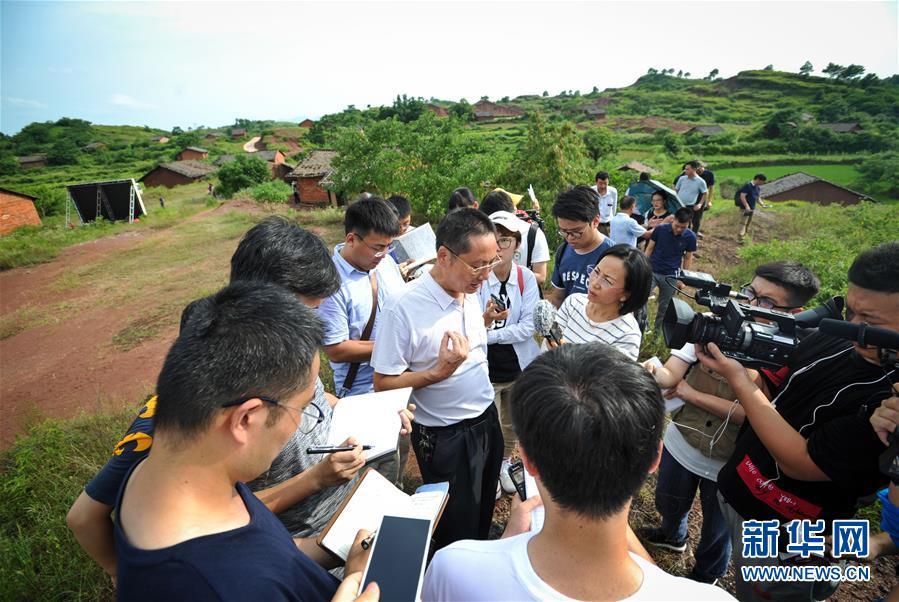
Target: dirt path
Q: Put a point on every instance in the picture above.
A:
(93, 334)
(250, 147)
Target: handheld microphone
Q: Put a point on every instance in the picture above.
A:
(870, 336)
(545, 321)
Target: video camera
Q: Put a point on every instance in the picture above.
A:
(732, 327)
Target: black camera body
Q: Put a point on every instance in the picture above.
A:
(732, 328)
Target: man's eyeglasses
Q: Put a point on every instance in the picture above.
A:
(477, 270)
(763, 302)
(379, 250)
(572, 234)
(504, 242)
(310, 416)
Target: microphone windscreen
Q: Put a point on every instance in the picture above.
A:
(544, 317)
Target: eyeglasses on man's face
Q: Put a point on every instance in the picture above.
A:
(310, 416)
(763, 302)
(480, 269)
(379, 250)
(573, 234)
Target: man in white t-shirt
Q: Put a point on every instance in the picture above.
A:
(432, 337)
(608, 201)
(589, 423)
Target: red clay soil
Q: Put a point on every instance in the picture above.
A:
(59, 369)
(648, 124)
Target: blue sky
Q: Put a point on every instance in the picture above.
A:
(205, 63)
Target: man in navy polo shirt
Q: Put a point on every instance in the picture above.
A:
(747, 197)
(670, 247)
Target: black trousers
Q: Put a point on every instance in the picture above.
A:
(697, 220)
(468, 454)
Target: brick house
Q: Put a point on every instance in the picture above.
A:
(801, 186)
(638, 167)
(193, 153)
(484, 110)
(593, 110)
(437, 110)
(160, 139)
(307, 123)
(238, 132)
(33, 161)
(16, 210)
(177, 173)
(308, 176)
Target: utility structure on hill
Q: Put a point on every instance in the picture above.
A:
(113, 200)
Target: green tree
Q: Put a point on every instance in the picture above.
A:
(652, 71)
(768, 68)
(851, 72)
(424, 160)
(880, 175)
(712, 74)
(600, 143)
(595, 90)
(780, 124)
(63, 152)
(669, 140)
(243, 172)
(806, 68)
(680, 72)
(552, 158)
(9, 165)
(177, 130)
(545, 93)
(463, 110)
(833, 70)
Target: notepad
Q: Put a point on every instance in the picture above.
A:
(372, 498)
(419, 245)
(373, 419)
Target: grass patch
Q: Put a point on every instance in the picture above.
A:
(32, 245)
(40, 476)
(845, 175)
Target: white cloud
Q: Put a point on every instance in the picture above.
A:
(23, 103)
(129, 102)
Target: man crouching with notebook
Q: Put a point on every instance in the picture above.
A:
(589, 424)
(233, 389)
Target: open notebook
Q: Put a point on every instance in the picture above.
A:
(373, 419)
(371, 499)
(418, 244)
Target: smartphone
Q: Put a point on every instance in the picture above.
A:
(516, 473)
(498, 303)
(397, 559)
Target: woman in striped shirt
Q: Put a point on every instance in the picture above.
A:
(617, 286)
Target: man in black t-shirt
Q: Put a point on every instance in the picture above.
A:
(810, 453)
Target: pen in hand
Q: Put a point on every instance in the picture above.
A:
(366, 543)
(333, 449)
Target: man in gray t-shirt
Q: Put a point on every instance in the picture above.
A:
(691, 189)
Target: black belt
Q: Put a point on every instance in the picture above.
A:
(458, 426)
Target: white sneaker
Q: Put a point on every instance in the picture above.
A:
(505, 480)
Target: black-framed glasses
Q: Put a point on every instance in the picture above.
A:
(378, 251)
(763, 302)
(479, 270)
(310, 416)
(573, 234)
(504, 242)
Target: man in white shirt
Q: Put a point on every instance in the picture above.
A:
(589, 423)
(432, 338)
(608, 201)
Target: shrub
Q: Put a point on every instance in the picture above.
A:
(244, 172)
(275, 191)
